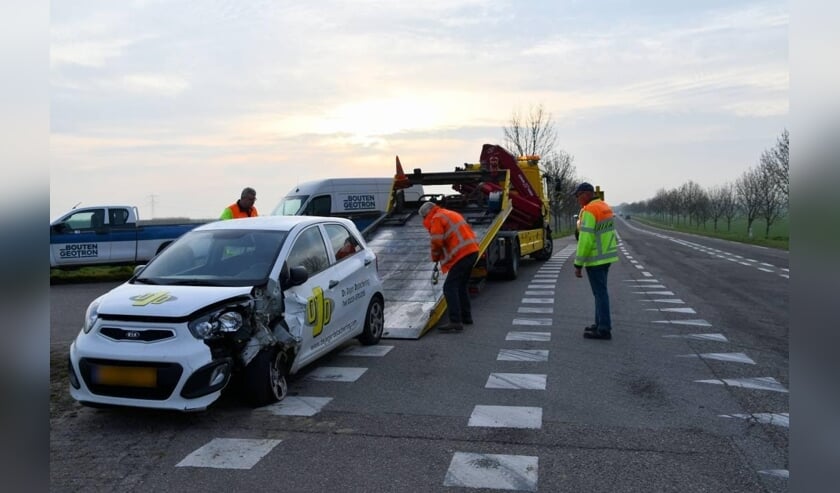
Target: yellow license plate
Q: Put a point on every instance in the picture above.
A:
(125, 375)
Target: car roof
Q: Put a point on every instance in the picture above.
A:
(279, 223)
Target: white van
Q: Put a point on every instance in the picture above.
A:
(362, 200)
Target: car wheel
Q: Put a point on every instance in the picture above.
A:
(513, 266)
(374, 322)
(265, 377)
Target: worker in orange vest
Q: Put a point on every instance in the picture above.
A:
(244, 207)
(454, 245)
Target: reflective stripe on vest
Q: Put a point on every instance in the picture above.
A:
(597, 245)
(456, 229)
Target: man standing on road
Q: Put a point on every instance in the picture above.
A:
(596, 250)
(454, 245)
(244, 207)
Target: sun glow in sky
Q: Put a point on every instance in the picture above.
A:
(175, 106)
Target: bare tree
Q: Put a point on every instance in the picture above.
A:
(722, 204)
(778, 164)
(748, 188)
(536, 134)
(771, 197)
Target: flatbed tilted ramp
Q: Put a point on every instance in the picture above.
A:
(412, 303)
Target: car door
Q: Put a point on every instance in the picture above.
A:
(123, 235)
(349, 278)
(81, 238)
(316, 299)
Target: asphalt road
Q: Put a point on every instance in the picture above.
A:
(518, 401)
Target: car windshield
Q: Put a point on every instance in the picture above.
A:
(216, 258)
(290, 205)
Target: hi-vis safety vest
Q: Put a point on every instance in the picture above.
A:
(234, 212)
(597, 243)
(452, 238)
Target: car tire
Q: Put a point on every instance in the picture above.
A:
(265, 379)
(374, 322)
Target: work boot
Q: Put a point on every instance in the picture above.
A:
(598, 334)
(451, 327)
(591, 328)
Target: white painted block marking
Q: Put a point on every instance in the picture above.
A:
(542, 292)
(492, 471)
(639, 266)
(672, 310)
(660, 293)
(543, 322)
(728, 357)
(765, 270)
(374, 351)
(545, 276)
(649, 286)
(537, 301)
(536, 355)
(757, 383)
(506, 417)
(640, 280)
(785, 276)
(229, 453)
(335, 374)
(528, 336)
(647, 274)
(535, 309)
(699, 322)
(298, 406)
(779, 473)
(701, 337)
(777, 419)
(519, 381)
(663, 300)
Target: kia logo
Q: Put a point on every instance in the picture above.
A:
(132, 334)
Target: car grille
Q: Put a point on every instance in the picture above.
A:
(131, 379)
(136, 335)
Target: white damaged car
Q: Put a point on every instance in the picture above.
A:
(256, 298)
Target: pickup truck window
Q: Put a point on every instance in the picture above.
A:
(88, 219)
(117, 217)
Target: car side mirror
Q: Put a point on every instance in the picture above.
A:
(297, 276)
(138, 269)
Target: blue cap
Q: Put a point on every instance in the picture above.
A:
(583, 187)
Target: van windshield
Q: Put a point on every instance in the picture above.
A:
(290, 205)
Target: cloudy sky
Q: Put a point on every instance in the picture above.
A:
(175, 106)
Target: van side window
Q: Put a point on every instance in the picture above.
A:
(309, 251)
(320, 206)
(342, 241)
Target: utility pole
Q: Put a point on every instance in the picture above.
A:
(152, 197)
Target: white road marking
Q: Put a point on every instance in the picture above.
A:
(778, 419)
(520, 381)
(673, 310)
(701, 337)
(229, 453)
(779, 473)
(535, 309)
(697, 322)
(663, 300)
(544, 301)
(528, 336)
(729, 357)
(298, 406)
(662, 293)
(532, 321)
(536, 355)
(758, 383)
(493, 471)
(506, 417)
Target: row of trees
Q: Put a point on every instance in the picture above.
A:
(760, 192)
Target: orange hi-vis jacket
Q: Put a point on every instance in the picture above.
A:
(234, 212)
(452, 238)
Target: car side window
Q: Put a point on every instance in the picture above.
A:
(117, 217)
(309, 251)
(90, 219)
(343, 242)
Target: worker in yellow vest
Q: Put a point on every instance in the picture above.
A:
(244, 207)
(454, 245)
(596, 250)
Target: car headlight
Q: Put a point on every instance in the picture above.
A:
(91, 315)
(216, 323)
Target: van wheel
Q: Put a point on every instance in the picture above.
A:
(374, 322)
(265, 377)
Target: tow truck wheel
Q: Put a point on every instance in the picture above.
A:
(548, 248)
(513, 266)
(374, 322)
(265, 377)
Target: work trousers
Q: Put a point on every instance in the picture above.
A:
(455, 289)
(597, 275)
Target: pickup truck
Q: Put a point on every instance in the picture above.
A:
(110, 234)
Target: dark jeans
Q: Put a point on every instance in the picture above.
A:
(455, 289)
(597, 276)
